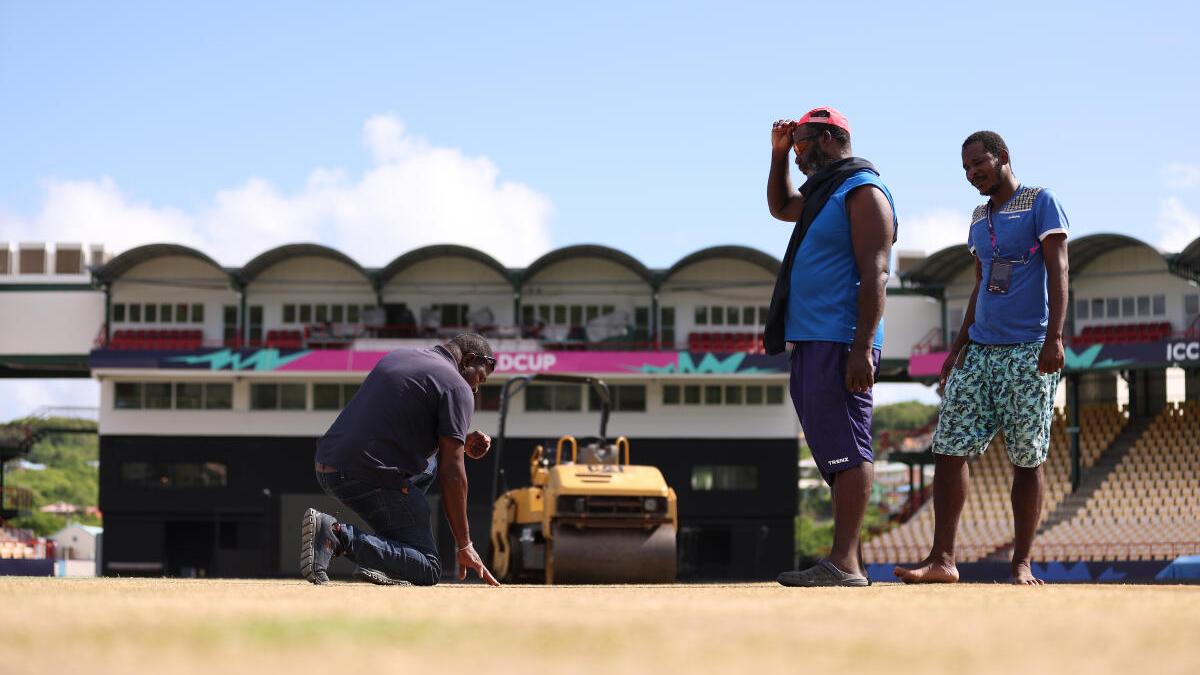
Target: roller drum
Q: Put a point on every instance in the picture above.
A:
(613, 556)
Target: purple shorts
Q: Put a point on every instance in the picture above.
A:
(836, 422)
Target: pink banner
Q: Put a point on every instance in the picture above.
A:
(506, 362)
(926, 365)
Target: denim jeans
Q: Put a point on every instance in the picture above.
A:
(402, 546)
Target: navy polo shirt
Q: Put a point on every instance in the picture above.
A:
(390, 429)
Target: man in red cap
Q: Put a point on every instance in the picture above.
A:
(828, 305)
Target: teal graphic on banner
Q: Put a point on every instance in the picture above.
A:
(263, 359)
(709, 365)
(1086, 359)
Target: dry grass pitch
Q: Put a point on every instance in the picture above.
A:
(226, 627)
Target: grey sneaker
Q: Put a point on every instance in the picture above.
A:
(378, 578)
(319, 545)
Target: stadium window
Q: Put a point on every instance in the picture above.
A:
(337, 313)
(641, 324)
(33, 260)
(166, 313)
(1081, 309)
(754, 394)
(158, 395)
(1191, 305)
(127, 395)
(229, 315)
(256, 321)
(731, 316)
(5, 259)
(707, 478)
(553, 398)
(691, 394)
(606, 310)
(264, 396)
(670, 394)
(747, 316)
(625, 398)
(488, 397)
(774, 394)
(189, 396)
(305, 313)
(560, 315)
(576, 315)
(292, 397)
(1143, 305)
(591, 312)
(1127, 306)
(1097, 308)
(544, 313)
(701, 316)
(118, 313)
(1112, 307)
(762, 315)
(327, 397)
(348, 392)
(1160, 305)
(322, 313)
(667, 327)
(527, 315)
(218, 396)
(181, 313)
(733, 394)
(197, 313)
(352, 314)
(716, 316)
(289, 314)
(712, 394)
(150, 311)
(174, 474)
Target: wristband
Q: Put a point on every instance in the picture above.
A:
(469, 545)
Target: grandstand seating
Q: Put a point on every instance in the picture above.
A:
(725, 342)
(16, 544)
(285, 339)
(986, 524)
(1122, 334)
(157, 339)
(1148, 508)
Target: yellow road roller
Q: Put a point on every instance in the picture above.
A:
(589, 516)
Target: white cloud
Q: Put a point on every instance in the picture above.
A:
(932, 231)
(414, 194)
(1177, 226)
(19, 398)
(1181, 176)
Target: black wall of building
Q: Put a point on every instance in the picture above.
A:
(235, 530)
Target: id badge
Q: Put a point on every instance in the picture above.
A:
(1000, 276)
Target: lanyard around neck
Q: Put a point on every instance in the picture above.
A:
(992, 231)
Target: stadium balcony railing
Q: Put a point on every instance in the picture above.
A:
(157, 338)
(750, 343)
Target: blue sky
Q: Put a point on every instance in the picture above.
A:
(517, 127)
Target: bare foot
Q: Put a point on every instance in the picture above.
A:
(1022, 575)
(929, 571)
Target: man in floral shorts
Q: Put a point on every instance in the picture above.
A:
(1002, 372)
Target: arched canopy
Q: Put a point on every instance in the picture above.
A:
(1085, 250)
(130, 259)
(588, 251)
(1190, 256)
(941, 268)
(268, 259)
(424, 253)
(743, 253)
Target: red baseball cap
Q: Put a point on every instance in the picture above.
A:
(825, 115)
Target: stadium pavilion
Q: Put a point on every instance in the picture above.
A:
(216, 382)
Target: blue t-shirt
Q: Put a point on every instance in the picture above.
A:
(1021, 314)
(389, 430)
(823, 301)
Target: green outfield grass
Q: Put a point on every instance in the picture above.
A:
(222, 627)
